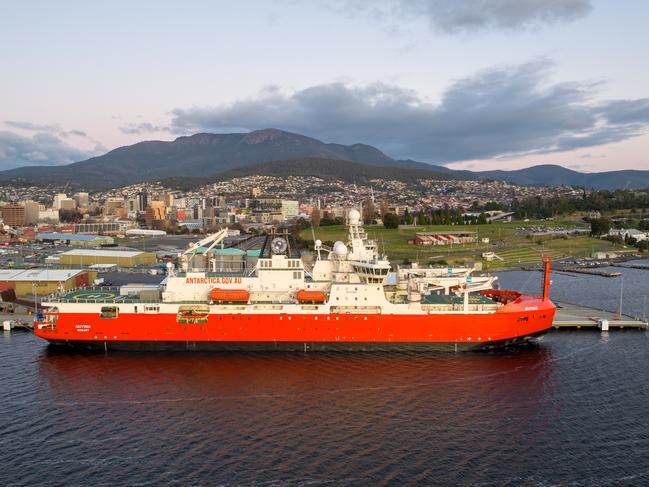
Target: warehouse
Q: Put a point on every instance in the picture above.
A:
(27, 282)
(75, 239)
(444, 238)
(120, 258)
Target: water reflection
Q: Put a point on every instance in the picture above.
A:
(287, 413)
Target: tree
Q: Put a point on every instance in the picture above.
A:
(482, 219)
(368, 211)
(599, 226)
(70, 216)
(407, 217)
(384, 207)
(315, 217)
(390, 220)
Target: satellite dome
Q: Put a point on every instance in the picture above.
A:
(340, 248)
(354, 217)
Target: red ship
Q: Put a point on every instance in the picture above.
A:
(349, 299)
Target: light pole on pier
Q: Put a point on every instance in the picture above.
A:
(621, 296)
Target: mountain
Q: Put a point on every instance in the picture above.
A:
(198, 155)
(204, 155)
(552, 175)
(327, 169)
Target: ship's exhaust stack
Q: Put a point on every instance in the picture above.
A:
(546, 278)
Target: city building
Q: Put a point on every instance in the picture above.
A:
(57, 200)
(13, 215)
(156, 211)
(111, 205)
(67, 204)
(31, 212)
(290, 209)
(121, 258)
(82, 199)
(50, 215)
(142, 201)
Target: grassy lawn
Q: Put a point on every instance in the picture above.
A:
(503, 240)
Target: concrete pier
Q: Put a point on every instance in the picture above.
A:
(573, 316)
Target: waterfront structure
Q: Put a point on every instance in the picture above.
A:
(144, 232)
(103, 227)
(343, 302)
(121, 258)
(41, 282)
(75, 239)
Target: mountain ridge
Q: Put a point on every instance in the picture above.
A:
(326, 169)
(203, 155)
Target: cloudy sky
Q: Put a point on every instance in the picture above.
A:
(478, 84)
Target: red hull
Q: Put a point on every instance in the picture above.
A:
(524, 318)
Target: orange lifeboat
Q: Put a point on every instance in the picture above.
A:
(304, 296)
(229, 295)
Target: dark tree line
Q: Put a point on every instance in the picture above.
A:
(603, 200)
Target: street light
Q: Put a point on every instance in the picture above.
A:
(621, 295)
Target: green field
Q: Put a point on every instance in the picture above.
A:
(503, 240)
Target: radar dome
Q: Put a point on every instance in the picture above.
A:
(318, 243)
(354, 217)
(340, 248)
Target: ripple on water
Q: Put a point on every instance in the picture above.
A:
(571, 410)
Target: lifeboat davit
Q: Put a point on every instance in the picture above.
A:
(304, 296)
(229, 295)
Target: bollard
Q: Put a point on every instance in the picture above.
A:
(603, 325)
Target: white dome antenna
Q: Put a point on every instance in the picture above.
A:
(340, 249)
(354, 217)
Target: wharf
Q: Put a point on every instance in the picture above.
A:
(643, 267)
(16, 321)
(573, 316)
(592, 272)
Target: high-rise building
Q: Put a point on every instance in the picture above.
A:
(82, 199)
(290, 208)
(31, 212)
(13, 215)
(67, 204)
(216, 201)
(57, 200)
(132, 205)
(112, 204)
(155, 211)
(142, 200)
